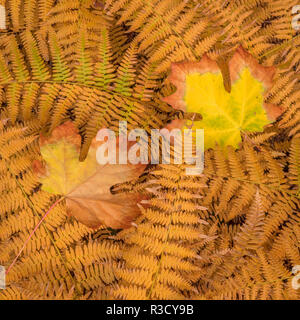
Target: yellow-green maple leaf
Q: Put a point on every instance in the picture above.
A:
(241, 107)
(225, 114)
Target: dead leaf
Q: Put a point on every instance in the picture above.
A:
(86, 185)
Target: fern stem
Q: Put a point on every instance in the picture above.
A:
(155, 276)
(74, 83)
(279, 47)
(31, 234)
(257, 183)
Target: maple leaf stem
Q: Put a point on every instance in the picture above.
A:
(32, 233)
(77, 290)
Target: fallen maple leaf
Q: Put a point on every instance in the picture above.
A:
(86, 185)
(226, 110)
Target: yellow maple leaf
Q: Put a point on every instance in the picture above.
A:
(200, 89)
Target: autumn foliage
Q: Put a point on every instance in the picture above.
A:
(70, 68)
